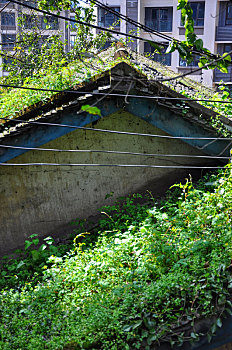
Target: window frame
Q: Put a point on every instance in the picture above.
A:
(193, 64)
(51, 24)
(73, 38)
(4, 16)
(153, 18)
(227, 18)
(197, 17)
(8, 41)
(102, 17)
(73, 25)
(158, 57)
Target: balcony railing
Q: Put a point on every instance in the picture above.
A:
(8, 27)
(224, 33)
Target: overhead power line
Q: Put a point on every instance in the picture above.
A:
(110, 31)
(100, 28)
(144, 27)
(81, 22)
(111, 152)
(197, 69)
(76, 127)
(130, 20)
(114, 165)
(186, 99)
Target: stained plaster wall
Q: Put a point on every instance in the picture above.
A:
(43, 199)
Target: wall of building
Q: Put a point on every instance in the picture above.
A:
(208, 33)
(44, 199)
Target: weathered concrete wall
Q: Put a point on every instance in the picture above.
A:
(42, 199)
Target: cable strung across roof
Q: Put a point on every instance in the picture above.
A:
(118, 132)
(114, 165)
(111, 152)
(186, 99)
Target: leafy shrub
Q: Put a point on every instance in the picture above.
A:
(149, 276)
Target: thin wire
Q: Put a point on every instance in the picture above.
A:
(86, 23)
(102, 98)
(144, 27)
(116, 94)
(115, 165)
(110, 152)
(118, 132)
(3, 8)
(197, 69)
(130, 20)
(81, 22)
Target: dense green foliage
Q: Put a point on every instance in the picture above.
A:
(15, 101)
(143, 274)
(187, 49)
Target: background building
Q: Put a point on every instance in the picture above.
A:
(213, 24)
(46, 25)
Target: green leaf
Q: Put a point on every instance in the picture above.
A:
(127, 328)
(91, 110)
(35, 241)
(156, 46)
(137, 324)
(171, 47)
(227, 58)
(181, 4)
(35, 254)
(209, 337)
(20, 264)
(214, 328)
(219, 323)
(193, 335)
(34, 235)
(182, 50)
(27, 244)
(199, 44)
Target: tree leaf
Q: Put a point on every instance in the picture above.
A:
(91, 110)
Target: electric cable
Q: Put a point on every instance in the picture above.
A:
(118, 132)
(110, 152)
(81, 22)
(186, 99)
(98, 27)
(114, 165)
(89, 24)
(144, 27)
(130, 20)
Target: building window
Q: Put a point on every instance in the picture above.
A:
(73, 25)
(222, 48)
(72, 41)
(194, 63)
(107, 19)
(5, 63)
(198, 13)
(49, 23)
(229, 13)
(28, 21)
(159, 18)
(8, 19)
(107, 45)
(163, 58)
(8, 41)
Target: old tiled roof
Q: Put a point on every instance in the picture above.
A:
(25, 104)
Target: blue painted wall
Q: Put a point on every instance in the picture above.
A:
(158, 116)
